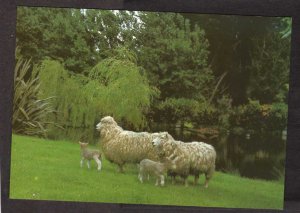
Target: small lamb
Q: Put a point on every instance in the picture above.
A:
(149, 167)
(88, 154)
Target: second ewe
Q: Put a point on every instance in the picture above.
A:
(191, 158)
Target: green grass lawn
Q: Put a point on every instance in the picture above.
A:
(50, 170)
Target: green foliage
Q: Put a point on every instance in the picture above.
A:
(287, 31)
(173, 109)
(174, 55)
(123, 91)
(269, 69)
(57, 34)
(29, 111)
(114, 86)
(71, 101)
(145, 66)
(260, 117)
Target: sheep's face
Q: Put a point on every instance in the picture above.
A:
(106, 121)
(160, 141)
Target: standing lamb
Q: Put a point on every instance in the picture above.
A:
(120, 146)
(88, 154)
(192, 158)
(148, 167)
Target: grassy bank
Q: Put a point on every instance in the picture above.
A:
(49, 170)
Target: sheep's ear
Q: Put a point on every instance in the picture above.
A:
(165, 135)
(168, 136)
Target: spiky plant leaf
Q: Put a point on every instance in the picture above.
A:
(29, 112)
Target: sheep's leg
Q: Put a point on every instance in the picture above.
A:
(186, 184)
(121, 169)
(98, 162)
(162, 180)
(208, 176)
(88, 163)
(206, 181)
(81, 162)
(173, 179)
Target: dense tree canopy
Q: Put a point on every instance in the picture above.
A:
(143, 66)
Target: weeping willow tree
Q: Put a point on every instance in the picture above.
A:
(121, 89)
(115, 86)
(73, 105)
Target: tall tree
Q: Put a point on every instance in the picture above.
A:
(174, 56)
(233, 41)
(57, 34)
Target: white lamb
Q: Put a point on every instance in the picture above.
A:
(120, 146)
(148, 167)
(191, 158)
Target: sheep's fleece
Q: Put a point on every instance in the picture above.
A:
(120, 146)
(191, 158)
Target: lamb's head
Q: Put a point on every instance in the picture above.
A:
(163, 143)
(105, 122)
(170, 163)
(83, 145)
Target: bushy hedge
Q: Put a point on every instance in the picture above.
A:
(259, 117)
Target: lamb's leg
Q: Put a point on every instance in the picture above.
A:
(156, 184)
(88, 163)
(81, 162)
(98, 162)
(162, 180)
(140, 177)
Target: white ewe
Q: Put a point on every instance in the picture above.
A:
(191, 158)
(120, 146)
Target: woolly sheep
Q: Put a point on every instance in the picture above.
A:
(192, 158)
(120, 146)
(148, 167)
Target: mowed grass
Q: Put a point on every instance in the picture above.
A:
(50, 170)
